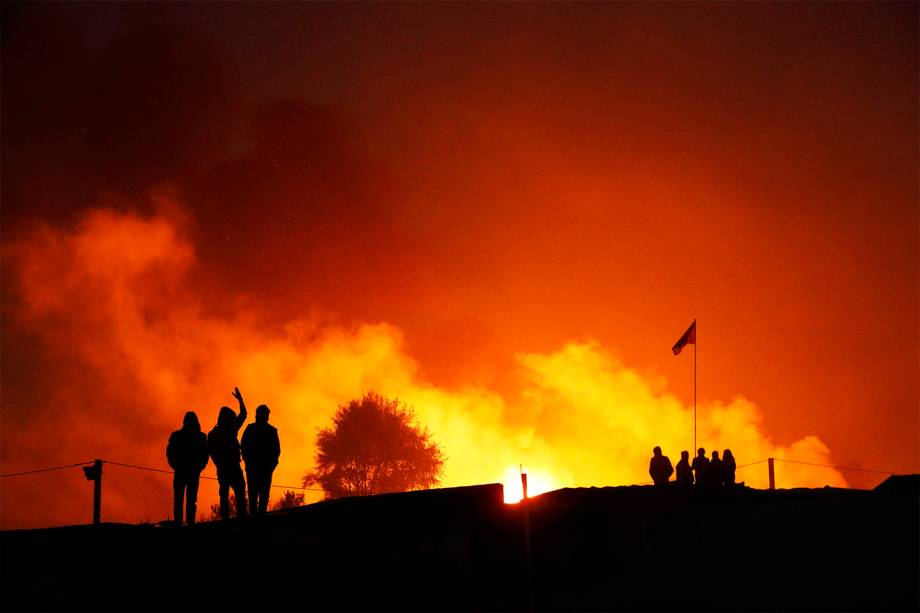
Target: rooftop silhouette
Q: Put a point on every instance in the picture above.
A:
(462, 548)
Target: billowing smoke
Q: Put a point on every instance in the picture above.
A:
(131, 343)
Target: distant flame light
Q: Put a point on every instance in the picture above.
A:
(124, 307)
(537, 483)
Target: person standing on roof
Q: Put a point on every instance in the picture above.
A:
(187, 454)
(684, 473)
(700, 467)
(659, 467)
(261, 449)
(225, 453)
(728, 468)
(714, 471)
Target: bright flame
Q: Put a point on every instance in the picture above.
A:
(537, 483)
(130, 333)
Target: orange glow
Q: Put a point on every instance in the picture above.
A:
(581, 417)
(512, 250)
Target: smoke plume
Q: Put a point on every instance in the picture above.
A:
(131, 344)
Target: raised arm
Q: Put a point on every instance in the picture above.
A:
(241, 418)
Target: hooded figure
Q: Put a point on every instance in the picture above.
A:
(684, 474)
(225, 453)
(700, 466)
(261, 449)
(728, 467)
(715, 475)
(187, 454)
(659, 467)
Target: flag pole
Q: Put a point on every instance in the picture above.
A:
(696, 341)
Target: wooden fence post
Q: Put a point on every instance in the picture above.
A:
(94, 473)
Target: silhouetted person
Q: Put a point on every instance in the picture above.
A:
(700, 466)
(225, 452)
(684, 472)
(187, 454)
(728, 467)
(660, 467)
(261, 449)
(715, 476)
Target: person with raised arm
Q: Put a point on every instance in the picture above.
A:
(225, 453)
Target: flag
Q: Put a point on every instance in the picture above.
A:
(688, 338)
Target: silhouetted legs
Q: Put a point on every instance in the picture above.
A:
(191, 504)
(185, 486)
(178, 495)
(260, 483)
(227, 479)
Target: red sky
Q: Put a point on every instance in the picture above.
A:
(492, 183)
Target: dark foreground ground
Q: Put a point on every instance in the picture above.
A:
(629, 548)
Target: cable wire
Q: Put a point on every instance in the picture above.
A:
(156, 470)
(312, 489)
(863, 470)
(169, 472)
(751, 464)
(45, 470)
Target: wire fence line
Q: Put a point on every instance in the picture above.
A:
(312, 489)
(46, 470)
(751, 464)
(169, 472)
(156, 470)
(862, 470)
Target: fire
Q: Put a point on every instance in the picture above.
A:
(126, 329)
(537, 483)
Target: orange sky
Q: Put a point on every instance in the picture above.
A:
(505, 214)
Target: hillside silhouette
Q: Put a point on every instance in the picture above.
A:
(625, 548)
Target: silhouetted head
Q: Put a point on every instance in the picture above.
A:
(727, 454)
(226, 416)
(701, 452)
(684, 455)
(262, 412)
(715, 455)
(657, 451)
(190, 422)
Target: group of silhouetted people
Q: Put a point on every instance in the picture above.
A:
(188, 451)
(704, 472)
